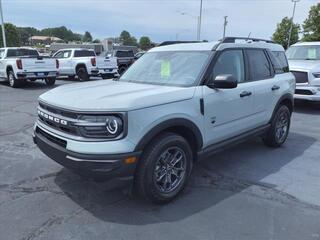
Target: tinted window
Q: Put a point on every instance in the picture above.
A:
(279, 62)
(258, 65)
(230, 62)
(124, 54)
(22, 52)
(84, 53)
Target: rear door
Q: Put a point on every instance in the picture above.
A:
(265, 84)
(228, 112)
(65, 62)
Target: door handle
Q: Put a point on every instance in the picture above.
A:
(245, 94)
(275, 87)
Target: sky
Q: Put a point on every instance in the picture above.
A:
(161, 20)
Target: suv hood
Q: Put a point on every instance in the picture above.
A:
(107, 95)
(305, 64)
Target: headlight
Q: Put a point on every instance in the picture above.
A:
(110, 126)
(316, 75)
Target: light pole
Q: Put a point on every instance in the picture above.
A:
(291, 26)
(225, 26)
(2, 24)
(199, 22)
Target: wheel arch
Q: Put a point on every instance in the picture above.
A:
(286, 99)
(79, 65)
(9, 68)
(181, 126)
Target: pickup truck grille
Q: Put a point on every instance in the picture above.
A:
(301, 77)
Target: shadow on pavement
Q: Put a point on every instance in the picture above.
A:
(307, 107)
(213, 180)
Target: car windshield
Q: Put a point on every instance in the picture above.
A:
(176, 68)
(304, 53)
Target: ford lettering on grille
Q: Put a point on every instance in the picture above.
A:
(52, 118)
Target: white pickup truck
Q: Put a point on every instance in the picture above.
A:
(84, 63)
(20, 64)
(304, 62)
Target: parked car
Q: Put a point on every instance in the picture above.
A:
(124, 58)
(138, 55)
(174, 106)
(304, 61)
(18, 65)
(83, 63)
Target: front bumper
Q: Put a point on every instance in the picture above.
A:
(37, 75)
(96, 166)
(308, 93)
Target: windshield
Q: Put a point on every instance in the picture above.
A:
(304, 53)
(181, 68)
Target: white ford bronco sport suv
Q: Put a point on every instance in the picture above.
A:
(304, 62)
(175, 105)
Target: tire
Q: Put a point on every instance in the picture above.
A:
(122, 69)
(50, 81)
(13, 82)
(280, 125)
(158, 160)
(82, 74)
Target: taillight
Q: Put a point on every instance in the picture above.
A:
(57, 63)
(19, 63)
(93, 62)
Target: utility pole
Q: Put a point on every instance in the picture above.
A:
(2, 24)
(294, 10)
(225, 26)
(199, 24)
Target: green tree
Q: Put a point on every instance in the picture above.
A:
(87, 37)
(311, 26)
(96, 41)
(12, 35)
(26, 33)
(127, 39)
(61, 32)
(145, 43)
(281, 34)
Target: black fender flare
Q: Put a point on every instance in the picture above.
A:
(171, 123)
(285, 97)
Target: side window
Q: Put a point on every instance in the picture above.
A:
(59, 54)
(1, 54)
(66, 54)
(230, 62)
(279, 61)
(259, 66)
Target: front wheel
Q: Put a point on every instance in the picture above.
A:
(279, 130)
(50, 81)
(13, 82)
(164, 168)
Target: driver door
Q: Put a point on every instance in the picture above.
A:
(228, 112)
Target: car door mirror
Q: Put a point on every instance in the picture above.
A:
(223, 81)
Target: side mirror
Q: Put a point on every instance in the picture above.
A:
(224, 81)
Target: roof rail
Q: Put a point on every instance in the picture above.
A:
(233, 39)
(165, 43)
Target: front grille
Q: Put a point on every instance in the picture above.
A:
(62, 114)
(51, 138)
(301, 77)
(303, 92)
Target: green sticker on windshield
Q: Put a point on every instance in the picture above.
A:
(165, 69)
(312, 53)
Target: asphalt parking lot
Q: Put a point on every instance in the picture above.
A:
(247, 192)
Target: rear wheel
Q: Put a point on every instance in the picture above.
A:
(50, 81)
(122, 69)
(278, 132)
(13, 82)
(82, 74)
(164, 168)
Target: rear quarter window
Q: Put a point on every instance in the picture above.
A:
(84, 53)
(279, 61)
